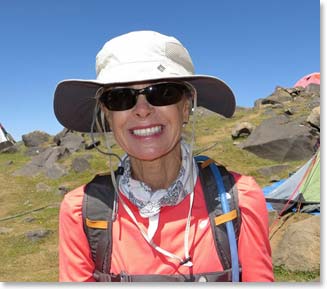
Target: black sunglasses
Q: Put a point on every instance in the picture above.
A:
(159, 94)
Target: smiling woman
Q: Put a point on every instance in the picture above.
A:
(163, 215)
(148, 131)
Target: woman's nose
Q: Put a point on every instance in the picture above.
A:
(142, 108)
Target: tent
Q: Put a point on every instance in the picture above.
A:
(301, 191)
(6, 140)
(308, 79)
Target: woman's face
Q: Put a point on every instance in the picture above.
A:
(148, 132)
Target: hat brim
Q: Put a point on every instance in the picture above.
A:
(74, 100)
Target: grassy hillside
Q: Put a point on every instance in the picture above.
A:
(25, 208)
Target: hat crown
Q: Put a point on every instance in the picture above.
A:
(150, 51)
(141, 56)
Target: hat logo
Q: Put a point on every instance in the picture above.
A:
(161, 68)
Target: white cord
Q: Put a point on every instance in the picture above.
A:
(153, 223)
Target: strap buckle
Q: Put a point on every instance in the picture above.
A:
(122, 277)
(105, 277)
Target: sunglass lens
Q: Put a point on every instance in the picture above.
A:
(119, 99)
(165, 94)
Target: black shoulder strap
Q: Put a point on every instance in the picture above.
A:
(97, 214)
(214, 207)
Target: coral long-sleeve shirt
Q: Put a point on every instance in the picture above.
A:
(132, 254)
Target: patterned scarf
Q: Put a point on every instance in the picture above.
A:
(150, 202)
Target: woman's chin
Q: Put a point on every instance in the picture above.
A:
(147, 156)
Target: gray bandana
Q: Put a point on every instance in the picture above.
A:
(148, 202)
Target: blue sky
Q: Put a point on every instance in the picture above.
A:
(253, 45)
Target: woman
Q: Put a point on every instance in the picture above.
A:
(161, 231)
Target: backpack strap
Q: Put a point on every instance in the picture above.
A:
(215, 210)
(97, 211)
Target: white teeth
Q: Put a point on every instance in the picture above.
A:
(147, 131)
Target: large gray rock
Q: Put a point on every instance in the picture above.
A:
(314, 118)
(281, 140)
(280, 95)
(299, 246)
(35, 138)
(72, 141)
(50, 156)
(28, 170)
(59, 136)
(314, 102)
(34, 151)
(276, 99)
(56, 171)
(45, 162)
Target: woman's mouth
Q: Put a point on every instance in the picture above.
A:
(150, 131)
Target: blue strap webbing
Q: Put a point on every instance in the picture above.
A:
(229, 225)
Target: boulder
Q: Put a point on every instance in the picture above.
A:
(314, 118)
(269, 103)
(298, 248)
(72, 141)
(56, 171)
(280, 139)
(45, 162)
(289, 111)
(80, 164)
(35, 138)
(242, 129)
(28, 170)
(314, 102)
(34, 151)
(280, 95)
(52, 155)
(58, 137)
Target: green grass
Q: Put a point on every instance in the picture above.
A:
(29, 258)
(283, 275)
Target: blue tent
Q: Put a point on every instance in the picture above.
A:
(301, 191)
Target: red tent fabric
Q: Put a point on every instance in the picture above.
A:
(310, 78)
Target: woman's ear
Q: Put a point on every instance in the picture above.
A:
(187, 107)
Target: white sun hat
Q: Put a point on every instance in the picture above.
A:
(140, 56)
